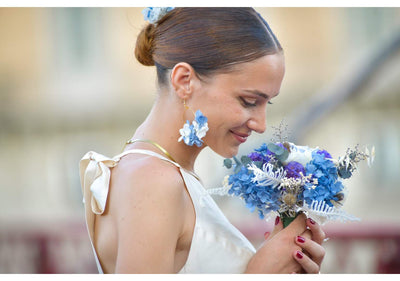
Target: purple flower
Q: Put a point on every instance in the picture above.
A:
(261, 154)
(293, 169)
(324, 153)
(254, 156)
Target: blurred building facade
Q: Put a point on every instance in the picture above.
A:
(69, 83)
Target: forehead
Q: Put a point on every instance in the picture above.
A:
(264, 74)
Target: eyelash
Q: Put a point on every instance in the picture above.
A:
(247, 104)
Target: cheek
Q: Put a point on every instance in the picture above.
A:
(237, 116)
(224, 111)
(227, 116)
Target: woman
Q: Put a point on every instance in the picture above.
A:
(146, 209)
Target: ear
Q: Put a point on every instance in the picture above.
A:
(182, 76)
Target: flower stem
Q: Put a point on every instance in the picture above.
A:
(287, 219)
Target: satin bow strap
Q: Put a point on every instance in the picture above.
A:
(95, 173)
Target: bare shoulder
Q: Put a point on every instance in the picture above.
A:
(138, 179)
(147, 174)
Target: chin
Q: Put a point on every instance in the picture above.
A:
(225, 148)
(228, 153)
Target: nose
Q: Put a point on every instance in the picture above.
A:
(257, 121)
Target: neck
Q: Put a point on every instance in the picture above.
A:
(162, 126)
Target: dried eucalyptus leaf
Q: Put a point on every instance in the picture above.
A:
(275, 149)
(228, 163)
(245, 160)
(238, 163)
(237, 169)
(282, 157)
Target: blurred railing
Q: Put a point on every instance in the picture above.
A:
(57, 248)
(65, 248)
(383, 240)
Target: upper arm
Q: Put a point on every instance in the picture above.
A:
(148, 213)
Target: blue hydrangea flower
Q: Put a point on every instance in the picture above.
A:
(262, 149)
(262, 198)
(200, 118)
(200, 125)
(325, 171)
(188, 135)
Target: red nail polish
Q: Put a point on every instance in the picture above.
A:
(300, 239)
(299, 255)
(312, 221)
(277, 220)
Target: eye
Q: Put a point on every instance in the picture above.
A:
(270, 102)
(249, 102)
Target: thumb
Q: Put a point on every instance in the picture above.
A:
(278, 227)
(298, 226)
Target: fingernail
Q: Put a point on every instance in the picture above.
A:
(312, 221)
(266, 234)
(277, 220)
(300, 239)
(299, 255)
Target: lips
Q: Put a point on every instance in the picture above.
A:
(241, 137)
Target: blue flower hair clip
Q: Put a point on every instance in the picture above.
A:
(154, 14)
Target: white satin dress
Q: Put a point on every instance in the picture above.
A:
(217, 246)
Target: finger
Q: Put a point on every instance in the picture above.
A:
(318, 235)
(314, 250)
(306, 234)
(266, 235)
(298, 226)
(308, 265)
(278, 227)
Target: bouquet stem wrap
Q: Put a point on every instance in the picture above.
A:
(286, 220)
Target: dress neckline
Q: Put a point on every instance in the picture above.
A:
(155, 154)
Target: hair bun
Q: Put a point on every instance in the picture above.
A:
(144, 45)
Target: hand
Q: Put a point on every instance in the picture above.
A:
(313, 253)
(275, 254)
(279, 253)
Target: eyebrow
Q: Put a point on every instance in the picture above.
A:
(261, 94)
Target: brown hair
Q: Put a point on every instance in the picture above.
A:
(209, 39)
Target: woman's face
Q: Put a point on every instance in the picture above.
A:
(235, 103)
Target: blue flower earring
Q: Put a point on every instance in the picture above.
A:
(193, 133)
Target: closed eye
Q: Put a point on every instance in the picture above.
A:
(249, 102)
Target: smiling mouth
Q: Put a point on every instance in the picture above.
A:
(240, 137)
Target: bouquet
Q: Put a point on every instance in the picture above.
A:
(281, 178)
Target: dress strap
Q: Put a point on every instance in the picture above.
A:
(146, 152)
(152, 153)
